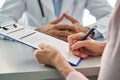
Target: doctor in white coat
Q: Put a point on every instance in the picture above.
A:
(110, 63)
(39, 13)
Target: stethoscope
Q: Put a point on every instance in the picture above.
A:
(41, 8)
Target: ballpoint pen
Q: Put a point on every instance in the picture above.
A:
(87, 34)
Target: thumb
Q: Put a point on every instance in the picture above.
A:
(79, 44)
(73, 20)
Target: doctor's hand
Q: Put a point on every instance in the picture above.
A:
(88, 47)
(60, 31)
(50, 56)
(78, 27)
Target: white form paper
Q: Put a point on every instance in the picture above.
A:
(33, 38)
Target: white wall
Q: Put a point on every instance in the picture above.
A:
(112, 2)
(1, 2)
(91, 18)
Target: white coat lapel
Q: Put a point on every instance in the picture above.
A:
(48, 4)
(66, 5)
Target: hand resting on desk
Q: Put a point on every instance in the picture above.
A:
(50, 56)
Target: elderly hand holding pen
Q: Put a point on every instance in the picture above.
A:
(88, 47)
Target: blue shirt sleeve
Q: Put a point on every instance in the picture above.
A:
(97, 34)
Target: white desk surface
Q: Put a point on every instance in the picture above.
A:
(17, 62)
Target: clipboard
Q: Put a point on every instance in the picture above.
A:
(33, 38)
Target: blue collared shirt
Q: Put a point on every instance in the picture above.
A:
(57, 7)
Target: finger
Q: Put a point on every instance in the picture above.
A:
(57, 20)
(73, 20)
(65, 27)
(83, 52)
(36, 52)
(39, 54)
(88, 52)
(73, 38)
(77, 36)
(61, 38)
(80, 54)
(63, 33)
(80, 44)
(43, 46)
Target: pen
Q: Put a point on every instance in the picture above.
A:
(87, 34)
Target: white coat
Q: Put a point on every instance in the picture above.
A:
(13, 10)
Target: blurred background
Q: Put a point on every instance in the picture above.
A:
(86, 15)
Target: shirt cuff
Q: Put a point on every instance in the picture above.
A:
(76, 76)
(97, 34)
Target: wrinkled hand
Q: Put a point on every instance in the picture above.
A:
(60, 31)
(50, 56)
(88, 47)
